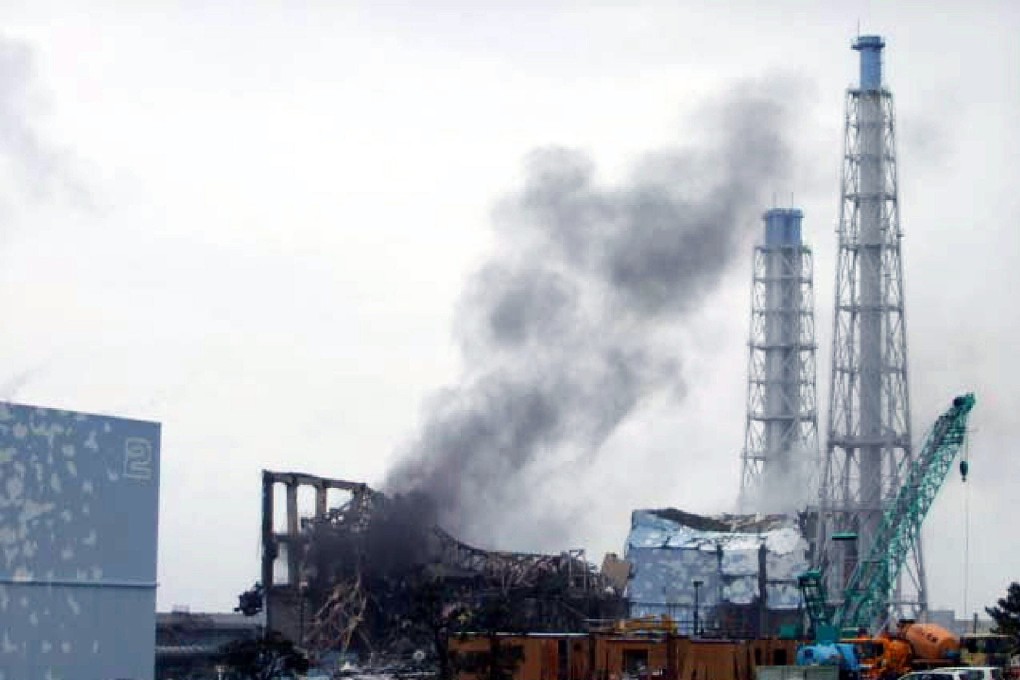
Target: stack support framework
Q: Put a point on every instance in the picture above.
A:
(781, 435)
(869, 438)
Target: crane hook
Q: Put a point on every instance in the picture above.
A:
(964, 468)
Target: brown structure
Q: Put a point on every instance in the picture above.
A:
(614, 655)
(534, 656)
(727, 659)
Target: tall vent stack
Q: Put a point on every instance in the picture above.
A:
(868, 439)
(781, 435)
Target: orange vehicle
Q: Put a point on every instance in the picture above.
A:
(882, 657)
(913, 646)
(932, 645)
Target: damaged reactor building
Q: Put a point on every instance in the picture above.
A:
(728, 575)
(377, 574)
(374, 574)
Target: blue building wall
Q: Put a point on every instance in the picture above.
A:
(667, 557)
(78, 525)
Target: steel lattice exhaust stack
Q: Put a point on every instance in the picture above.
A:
(869, 435)
(781, 435)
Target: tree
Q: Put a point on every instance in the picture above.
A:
(1007, 614)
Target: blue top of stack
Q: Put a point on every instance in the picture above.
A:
(870, 47)
(782, 227)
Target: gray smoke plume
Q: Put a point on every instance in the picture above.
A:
(10, 388)
(786, 487)
(572, 322)
(39, 169)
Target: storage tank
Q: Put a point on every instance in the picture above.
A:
(931, 641)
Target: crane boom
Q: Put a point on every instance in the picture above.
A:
(870, 586)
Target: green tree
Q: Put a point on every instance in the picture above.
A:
(1007, 613)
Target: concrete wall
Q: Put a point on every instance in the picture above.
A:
(78, 524)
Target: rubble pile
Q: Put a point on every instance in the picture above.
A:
(377, 578)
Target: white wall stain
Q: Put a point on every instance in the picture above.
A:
(33, 509)
(10, 554)
(47, 430)
(15, 487)
(73, 605)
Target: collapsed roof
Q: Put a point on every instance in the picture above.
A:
(376, 573)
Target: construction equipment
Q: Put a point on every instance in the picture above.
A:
(839, 654)
(864, 605)
(913, 646)
(882, 656)
(866, 597)
(986, 649)
(890, 654)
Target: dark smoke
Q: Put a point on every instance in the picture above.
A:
(568, 327)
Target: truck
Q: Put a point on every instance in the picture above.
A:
(986, 649)
(913, 646)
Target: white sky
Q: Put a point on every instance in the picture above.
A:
(250, 221)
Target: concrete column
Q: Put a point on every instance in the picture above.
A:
(292, 534)
(320, 501)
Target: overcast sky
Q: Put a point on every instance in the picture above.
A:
(251, 221)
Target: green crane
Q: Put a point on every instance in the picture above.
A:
(871, 584)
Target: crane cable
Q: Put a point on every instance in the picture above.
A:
(964, 469)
